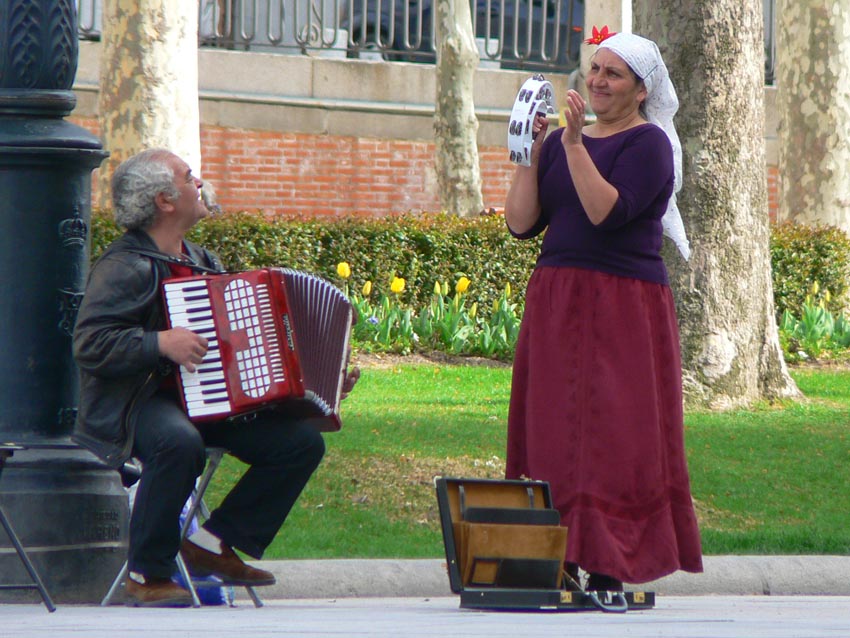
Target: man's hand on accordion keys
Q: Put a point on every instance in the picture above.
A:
(182, 346)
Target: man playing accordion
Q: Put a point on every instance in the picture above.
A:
(129, 407)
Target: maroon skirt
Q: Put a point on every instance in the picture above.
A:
(596, 410)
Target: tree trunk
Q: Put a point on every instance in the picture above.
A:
(148, 82)
(455, 123)
(724, 295)
(813, 104)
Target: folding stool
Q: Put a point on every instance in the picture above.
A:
(7, 450)
(197, 507)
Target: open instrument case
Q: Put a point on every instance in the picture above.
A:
(505, 549)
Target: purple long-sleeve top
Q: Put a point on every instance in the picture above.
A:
(638, 162)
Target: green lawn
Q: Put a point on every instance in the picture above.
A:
(767, 480)
(776, 481)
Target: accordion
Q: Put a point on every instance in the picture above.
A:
(276, 336)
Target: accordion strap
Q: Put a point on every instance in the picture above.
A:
(172, 259)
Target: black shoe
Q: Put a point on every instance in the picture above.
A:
(601, 582)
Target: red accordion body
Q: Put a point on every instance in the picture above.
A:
(275, 336)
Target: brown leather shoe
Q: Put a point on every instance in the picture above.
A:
(227, 566)
(156, 592)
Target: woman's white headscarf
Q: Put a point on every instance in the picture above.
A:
(659, 107)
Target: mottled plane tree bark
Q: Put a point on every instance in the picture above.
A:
(148, 82)
(813, 105)
(455, 122)
(724, 294)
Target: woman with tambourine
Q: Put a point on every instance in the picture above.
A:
(596, 402)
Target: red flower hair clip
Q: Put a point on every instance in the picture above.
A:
(600, 36)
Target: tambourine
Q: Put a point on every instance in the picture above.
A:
(535, 96)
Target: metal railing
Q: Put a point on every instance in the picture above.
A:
(517, 34)
(769, 41)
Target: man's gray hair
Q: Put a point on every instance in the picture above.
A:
(136, 183)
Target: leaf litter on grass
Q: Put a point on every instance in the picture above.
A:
(403, 486)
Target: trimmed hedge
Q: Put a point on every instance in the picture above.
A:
(803, 255)
(424, 250)
(441, 248)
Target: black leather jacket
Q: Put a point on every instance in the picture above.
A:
(115, 342)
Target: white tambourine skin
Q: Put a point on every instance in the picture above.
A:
(535, 96)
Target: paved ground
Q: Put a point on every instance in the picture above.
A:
(723, 575)
(736, 597)
(673, 616)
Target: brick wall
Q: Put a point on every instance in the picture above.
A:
(279, 173)
(297, 174)
(773, 183)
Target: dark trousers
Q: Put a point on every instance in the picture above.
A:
(281, 453)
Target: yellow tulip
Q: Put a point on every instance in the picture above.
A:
(343, 269)
(827, 296)
(397, 286)
(438, 290)
(473, 310)
(461, 285)
(367, 289)
(815, 288)
(508, 289)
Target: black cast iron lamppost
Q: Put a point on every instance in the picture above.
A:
(70, 511)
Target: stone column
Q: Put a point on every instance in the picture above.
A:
(617, 14)
(70, 510)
